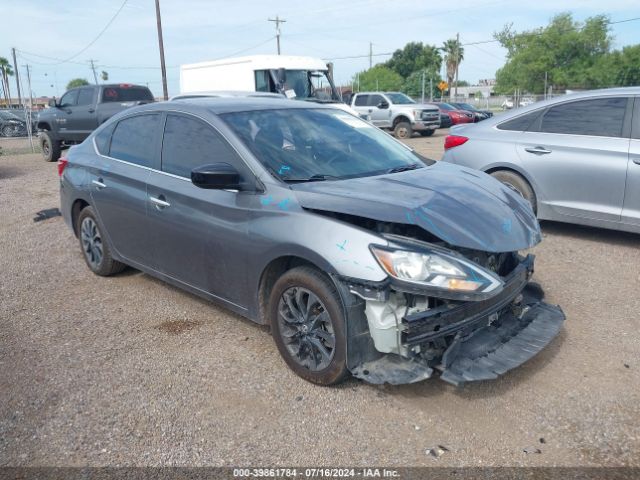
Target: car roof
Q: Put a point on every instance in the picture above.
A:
(226, 94)
(220, 105)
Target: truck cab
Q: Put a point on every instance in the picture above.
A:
(72, 118)
(294, 77)
(397, 112)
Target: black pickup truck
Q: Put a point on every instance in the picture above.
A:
(81, 110)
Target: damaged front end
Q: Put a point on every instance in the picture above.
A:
(406, 330)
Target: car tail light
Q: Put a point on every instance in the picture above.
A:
(62, 163)
(454, 141)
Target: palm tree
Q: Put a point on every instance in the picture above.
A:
(453, 55)
(6, 72)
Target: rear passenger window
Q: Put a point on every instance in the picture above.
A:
(85, 97)
(521, 123)
(103, 139)
(189, 143)
(603, 117)
(133, 139)
(361, 100)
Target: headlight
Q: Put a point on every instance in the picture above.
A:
(417, 114)
(437, 270)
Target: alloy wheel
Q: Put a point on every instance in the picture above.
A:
(306, 328)
(91, 242)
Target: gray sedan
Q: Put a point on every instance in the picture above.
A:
(362, 256)
(575, 158)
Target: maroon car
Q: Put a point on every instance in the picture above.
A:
(456, 115)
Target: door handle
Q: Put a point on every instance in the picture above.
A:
(636, 160)
(537, 150)
(160, 203)
(91, 110)
(98, 183)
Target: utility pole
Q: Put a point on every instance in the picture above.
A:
(15, 68)
(161, 45)
(370, 54)
(93, 68)
(277, 21)
(457, 64)
(431, 89)
(422, 86)
(545, 85)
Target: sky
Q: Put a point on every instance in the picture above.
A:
(200, 30)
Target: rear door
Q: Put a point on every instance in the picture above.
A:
(577, 153)
(195, 233)
(361, 104)
(118, 183)
(631, 207)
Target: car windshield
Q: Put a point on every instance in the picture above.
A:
(319, 144)
(446, 106)
(467, 106)
(400, 98)
(311, 85)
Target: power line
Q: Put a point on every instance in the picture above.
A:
(99, 34)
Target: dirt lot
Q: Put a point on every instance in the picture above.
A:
(130, 371)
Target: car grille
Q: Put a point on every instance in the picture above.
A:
(430, 116)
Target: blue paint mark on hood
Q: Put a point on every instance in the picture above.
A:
(463, 207)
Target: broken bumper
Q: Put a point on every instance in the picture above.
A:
(479, 340)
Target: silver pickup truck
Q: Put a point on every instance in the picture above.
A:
(398, 112)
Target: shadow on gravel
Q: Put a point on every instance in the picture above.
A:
(434, 387)
(590, 233)
(10, 172)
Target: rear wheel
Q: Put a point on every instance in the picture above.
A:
(427, 133)
(50, 148)
(519, 184)
(403, 130)
(95, 249)
(308, 325)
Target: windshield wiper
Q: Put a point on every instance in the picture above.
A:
(403, 168)
(319, 177)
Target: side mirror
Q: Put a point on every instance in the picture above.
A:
(53, 103)
(383, 105)
(282, 76)
(216, 176)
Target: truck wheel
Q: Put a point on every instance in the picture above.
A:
(50, 148)
(403, 130)
(308, 325)
(519, 184)
(427, 133)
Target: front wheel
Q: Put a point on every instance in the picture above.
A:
(403, 130)
(308, 325)
(51, 149)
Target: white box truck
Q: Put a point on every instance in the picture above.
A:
(295, 77)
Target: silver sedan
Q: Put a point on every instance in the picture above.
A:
(576, 158)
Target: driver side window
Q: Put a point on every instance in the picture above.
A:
(69, 99)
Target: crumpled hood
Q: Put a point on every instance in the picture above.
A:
(463, 207)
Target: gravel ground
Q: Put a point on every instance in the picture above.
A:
(130, 371)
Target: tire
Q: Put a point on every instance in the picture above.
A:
(95, 249)
(427, 133)
(403, 130)
(300, 342)
(519, 184)
(50, 148)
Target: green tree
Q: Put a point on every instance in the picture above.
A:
(453, 56)
(571, 53)
(378, 77)
(413, 85)
(5, 72)
(77, 82)
(413, 57)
